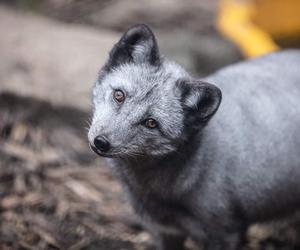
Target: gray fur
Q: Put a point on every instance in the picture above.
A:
(206, 172)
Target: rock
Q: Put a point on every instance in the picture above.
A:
(50, 60)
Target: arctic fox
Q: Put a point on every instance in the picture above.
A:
(193, 165)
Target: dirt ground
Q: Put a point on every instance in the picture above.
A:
(54, 192)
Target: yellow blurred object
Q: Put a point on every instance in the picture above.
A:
(255, 25)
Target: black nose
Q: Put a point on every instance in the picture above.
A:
(101, 143)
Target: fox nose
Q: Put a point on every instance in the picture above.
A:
(101, 144)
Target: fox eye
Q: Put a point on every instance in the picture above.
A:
(151, 123)
(119, 95)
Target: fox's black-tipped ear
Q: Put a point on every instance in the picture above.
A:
(200, 100)
(138, 44)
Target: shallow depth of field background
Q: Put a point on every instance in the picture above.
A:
(54, 193)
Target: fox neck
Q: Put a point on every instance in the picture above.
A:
(166, 177)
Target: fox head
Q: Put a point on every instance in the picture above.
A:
(144, 104)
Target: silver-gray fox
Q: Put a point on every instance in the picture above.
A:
(194, 165)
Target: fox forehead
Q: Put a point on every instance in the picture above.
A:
(134, 79)
(143, 79)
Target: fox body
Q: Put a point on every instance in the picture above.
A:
(199, 158)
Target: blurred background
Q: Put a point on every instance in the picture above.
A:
(56, 194)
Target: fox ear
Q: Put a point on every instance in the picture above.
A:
(138, 44)
(201, 100)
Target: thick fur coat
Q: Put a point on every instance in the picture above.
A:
(223, 152)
